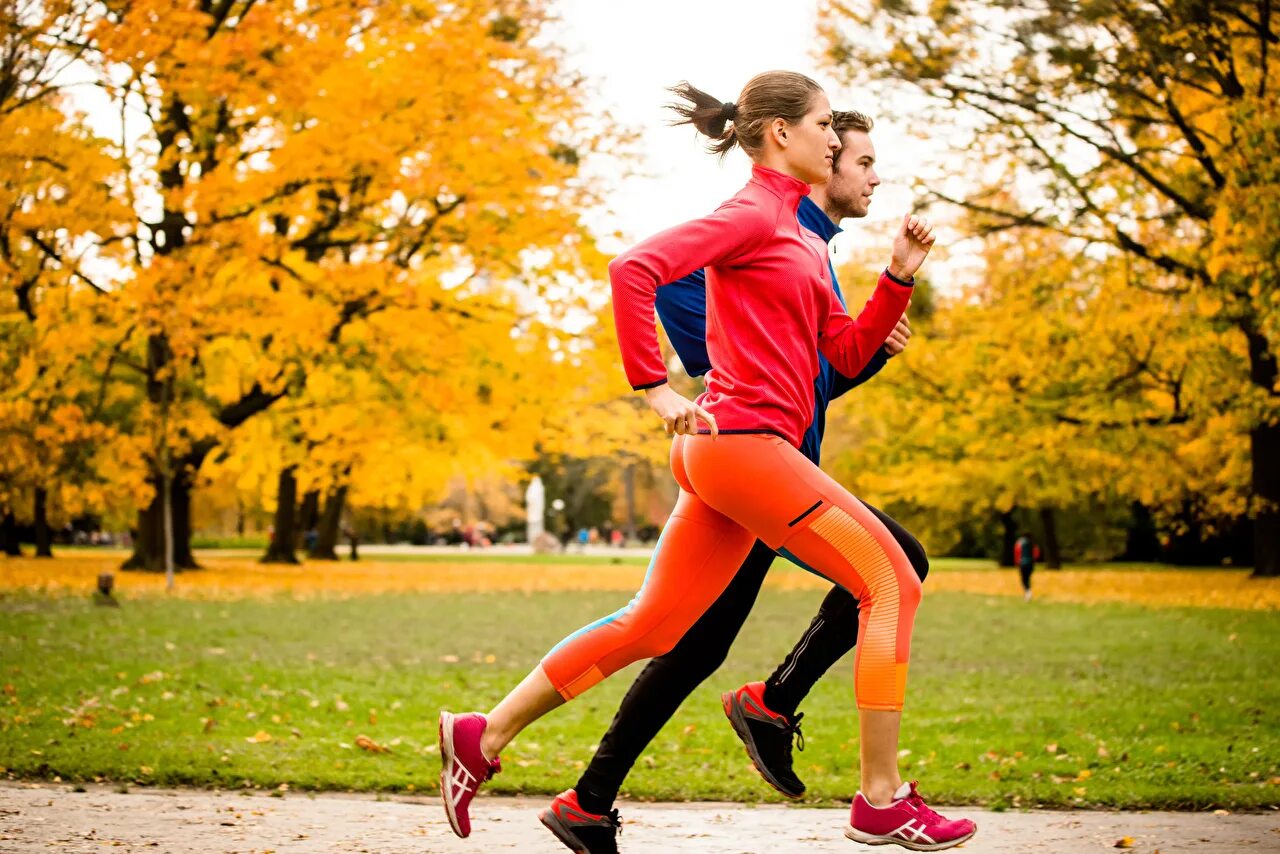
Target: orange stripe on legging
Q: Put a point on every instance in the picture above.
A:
(881, 680)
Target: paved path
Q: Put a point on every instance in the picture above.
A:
(44, 817)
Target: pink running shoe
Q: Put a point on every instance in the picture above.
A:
(464, 767)
(908, 822)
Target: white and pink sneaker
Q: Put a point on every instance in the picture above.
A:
(463, 766)
(907, 821)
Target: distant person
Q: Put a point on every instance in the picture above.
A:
(616, 538)
(584, 536)
(354, 539)
(1025, 553)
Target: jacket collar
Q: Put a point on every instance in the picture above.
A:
(783, 186)
(816, 220)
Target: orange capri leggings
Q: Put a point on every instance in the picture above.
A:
(734, 489)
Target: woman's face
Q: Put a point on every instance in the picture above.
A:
(811, 145)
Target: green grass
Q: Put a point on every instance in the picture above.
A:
(1009, 705)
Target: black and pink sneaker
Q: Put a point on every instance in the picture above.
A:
(908, 822)
(463, 766)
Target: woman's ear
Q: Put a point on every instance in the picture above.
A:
(779, 130)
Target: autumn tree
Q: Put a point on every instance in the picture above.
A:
(1050, 386)
(1149, 128)
(58, 218)
(292, 171)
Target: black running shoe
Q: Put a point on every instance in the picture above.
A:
(766, 735)
(579, 830)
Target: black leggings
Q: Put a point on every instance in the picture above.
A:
(667, 680)
(1024, 571)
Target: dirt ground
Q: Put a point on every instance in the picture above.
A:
(43, 817)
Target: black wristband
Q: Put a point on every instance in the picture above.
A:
(904, 283)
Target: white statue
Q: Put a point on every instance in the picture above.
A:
(535, 507)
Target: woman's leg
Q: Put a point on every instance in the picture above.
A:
(697, 554)
(695, 558)
(667, 681)
(767, 486)
(833, 632)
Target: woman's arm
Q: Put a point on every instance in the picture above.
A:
(732, 233)
(849, 344)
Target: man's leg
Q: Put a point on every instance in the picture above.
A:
(767, 731)
(667, 680)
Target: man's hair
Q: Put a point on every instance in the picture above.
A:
(847, 120)
(844, 121)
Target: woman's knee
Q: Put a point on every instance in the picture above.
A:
(910, 590)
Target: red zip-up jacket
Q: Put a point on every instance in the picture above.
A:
(770, 308)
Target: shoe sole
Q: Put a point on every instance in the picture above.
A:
(733, 711)
(446, 760)
(856, 835)
(553, 823)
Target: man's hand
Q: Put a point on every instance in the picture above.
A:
(898, 338)
(679, 414)
(910, 246)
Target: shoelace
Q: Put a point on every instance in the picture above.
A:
(616, 820)
(793, 728)
(921, 808)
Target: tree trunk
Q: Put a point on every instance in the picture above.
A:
(1264, 445)
(1264, 441)
(1052, 553)
(308, 516)
(148, 549)
(1009, 524)
(44, 537)
(9, 534)
(280, 549)
(1140, 542)
(330, 522)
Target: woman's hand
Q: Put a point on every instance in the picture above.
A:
(679, 414)
(910, 246)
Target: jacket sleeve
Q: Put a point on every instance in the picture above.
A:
(730, 234)
(840, 384)
(849, 344)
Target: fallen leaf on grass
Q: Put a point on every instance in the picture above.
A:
(259, 737)
(365, 743)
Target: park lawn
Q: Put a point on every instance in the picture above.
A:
(1010, 704)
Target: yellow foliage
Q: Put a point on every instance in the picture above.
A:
(234, 578)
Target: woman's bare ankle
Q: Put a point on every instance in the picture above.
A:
(879, 793)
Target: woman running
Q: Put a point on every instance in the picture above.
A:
(771, 309)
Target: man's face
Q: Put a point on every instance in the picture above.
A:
(854, 177)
